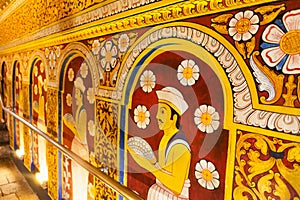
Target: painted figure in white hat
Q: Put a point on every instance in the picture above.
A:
(79, 146)
(39, 107)
(174, 154)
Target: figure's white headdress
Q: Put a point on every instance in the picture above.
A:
(174, 98)
(79, 84)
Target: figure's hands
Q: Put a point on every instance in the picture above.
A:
(69, 121)
(142, 161)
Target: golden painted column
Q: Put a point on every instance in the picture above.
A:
(52, 152)
(26, 141)
(10, 119)
(106, 135)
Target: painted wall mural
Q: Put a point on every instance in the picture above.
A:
(78, 119)
(39, 115)
(17, 101)
(181, 151)
(181, 100)
(3, 89)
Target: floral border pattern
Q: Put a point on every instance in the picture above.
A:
(244, 113)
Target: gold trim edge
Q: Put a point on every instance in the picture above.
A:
(174, 12)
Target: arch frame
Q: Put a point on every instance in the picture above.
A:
(245, 105)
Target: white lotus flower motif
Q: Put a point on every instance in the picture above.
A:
(46, 84)
(84, 70)
(91, 128)
(243, 26)
(96, 47)
(90, 95)
(47, 52)
(57, 51)
(108, 56)
(35, 89)
(71, 74)
(69, 99)
(207, 175)
(281, 47)
(123, 42)
(206, 118)
(42, 67)
(188, 72)
(52, 59)
(141, 116)
(35, 71)
(147, 81)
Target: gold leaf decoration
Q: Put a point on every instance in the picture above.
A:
(298, 88)
(187, 8)
(250, 46)
(103, 191)
(106, 136)
(249, 1)
(52, 158)
(222, 19)
(241, 48)
(276, 80)
(233, 2)
(257, 166)
(105, 145)
(267, 169)
(291, 175)
(245, 48)
(294, 154)
(201, 6)
(220, 23)
(289, 97)
(27, 148)
(268, 13)
(281, 189)
(216, 4)
(220, 28)
(240, 190)
(264, 184)
(52, 116)
(52, 152)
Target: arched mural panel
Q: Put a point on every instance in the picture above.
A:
(17, 99)
(8, 102)
(38, 99)
(164, 68)
(3, 89)
(77, 101)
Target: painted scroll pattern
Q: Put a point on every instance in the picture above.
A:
(52, 152)
(266, 168)
(105, 144)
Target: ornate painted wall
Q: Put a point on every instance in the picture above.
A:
(109, 79)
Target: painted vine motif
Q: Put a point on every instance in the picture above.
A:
(266, 168)
(274, 51)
